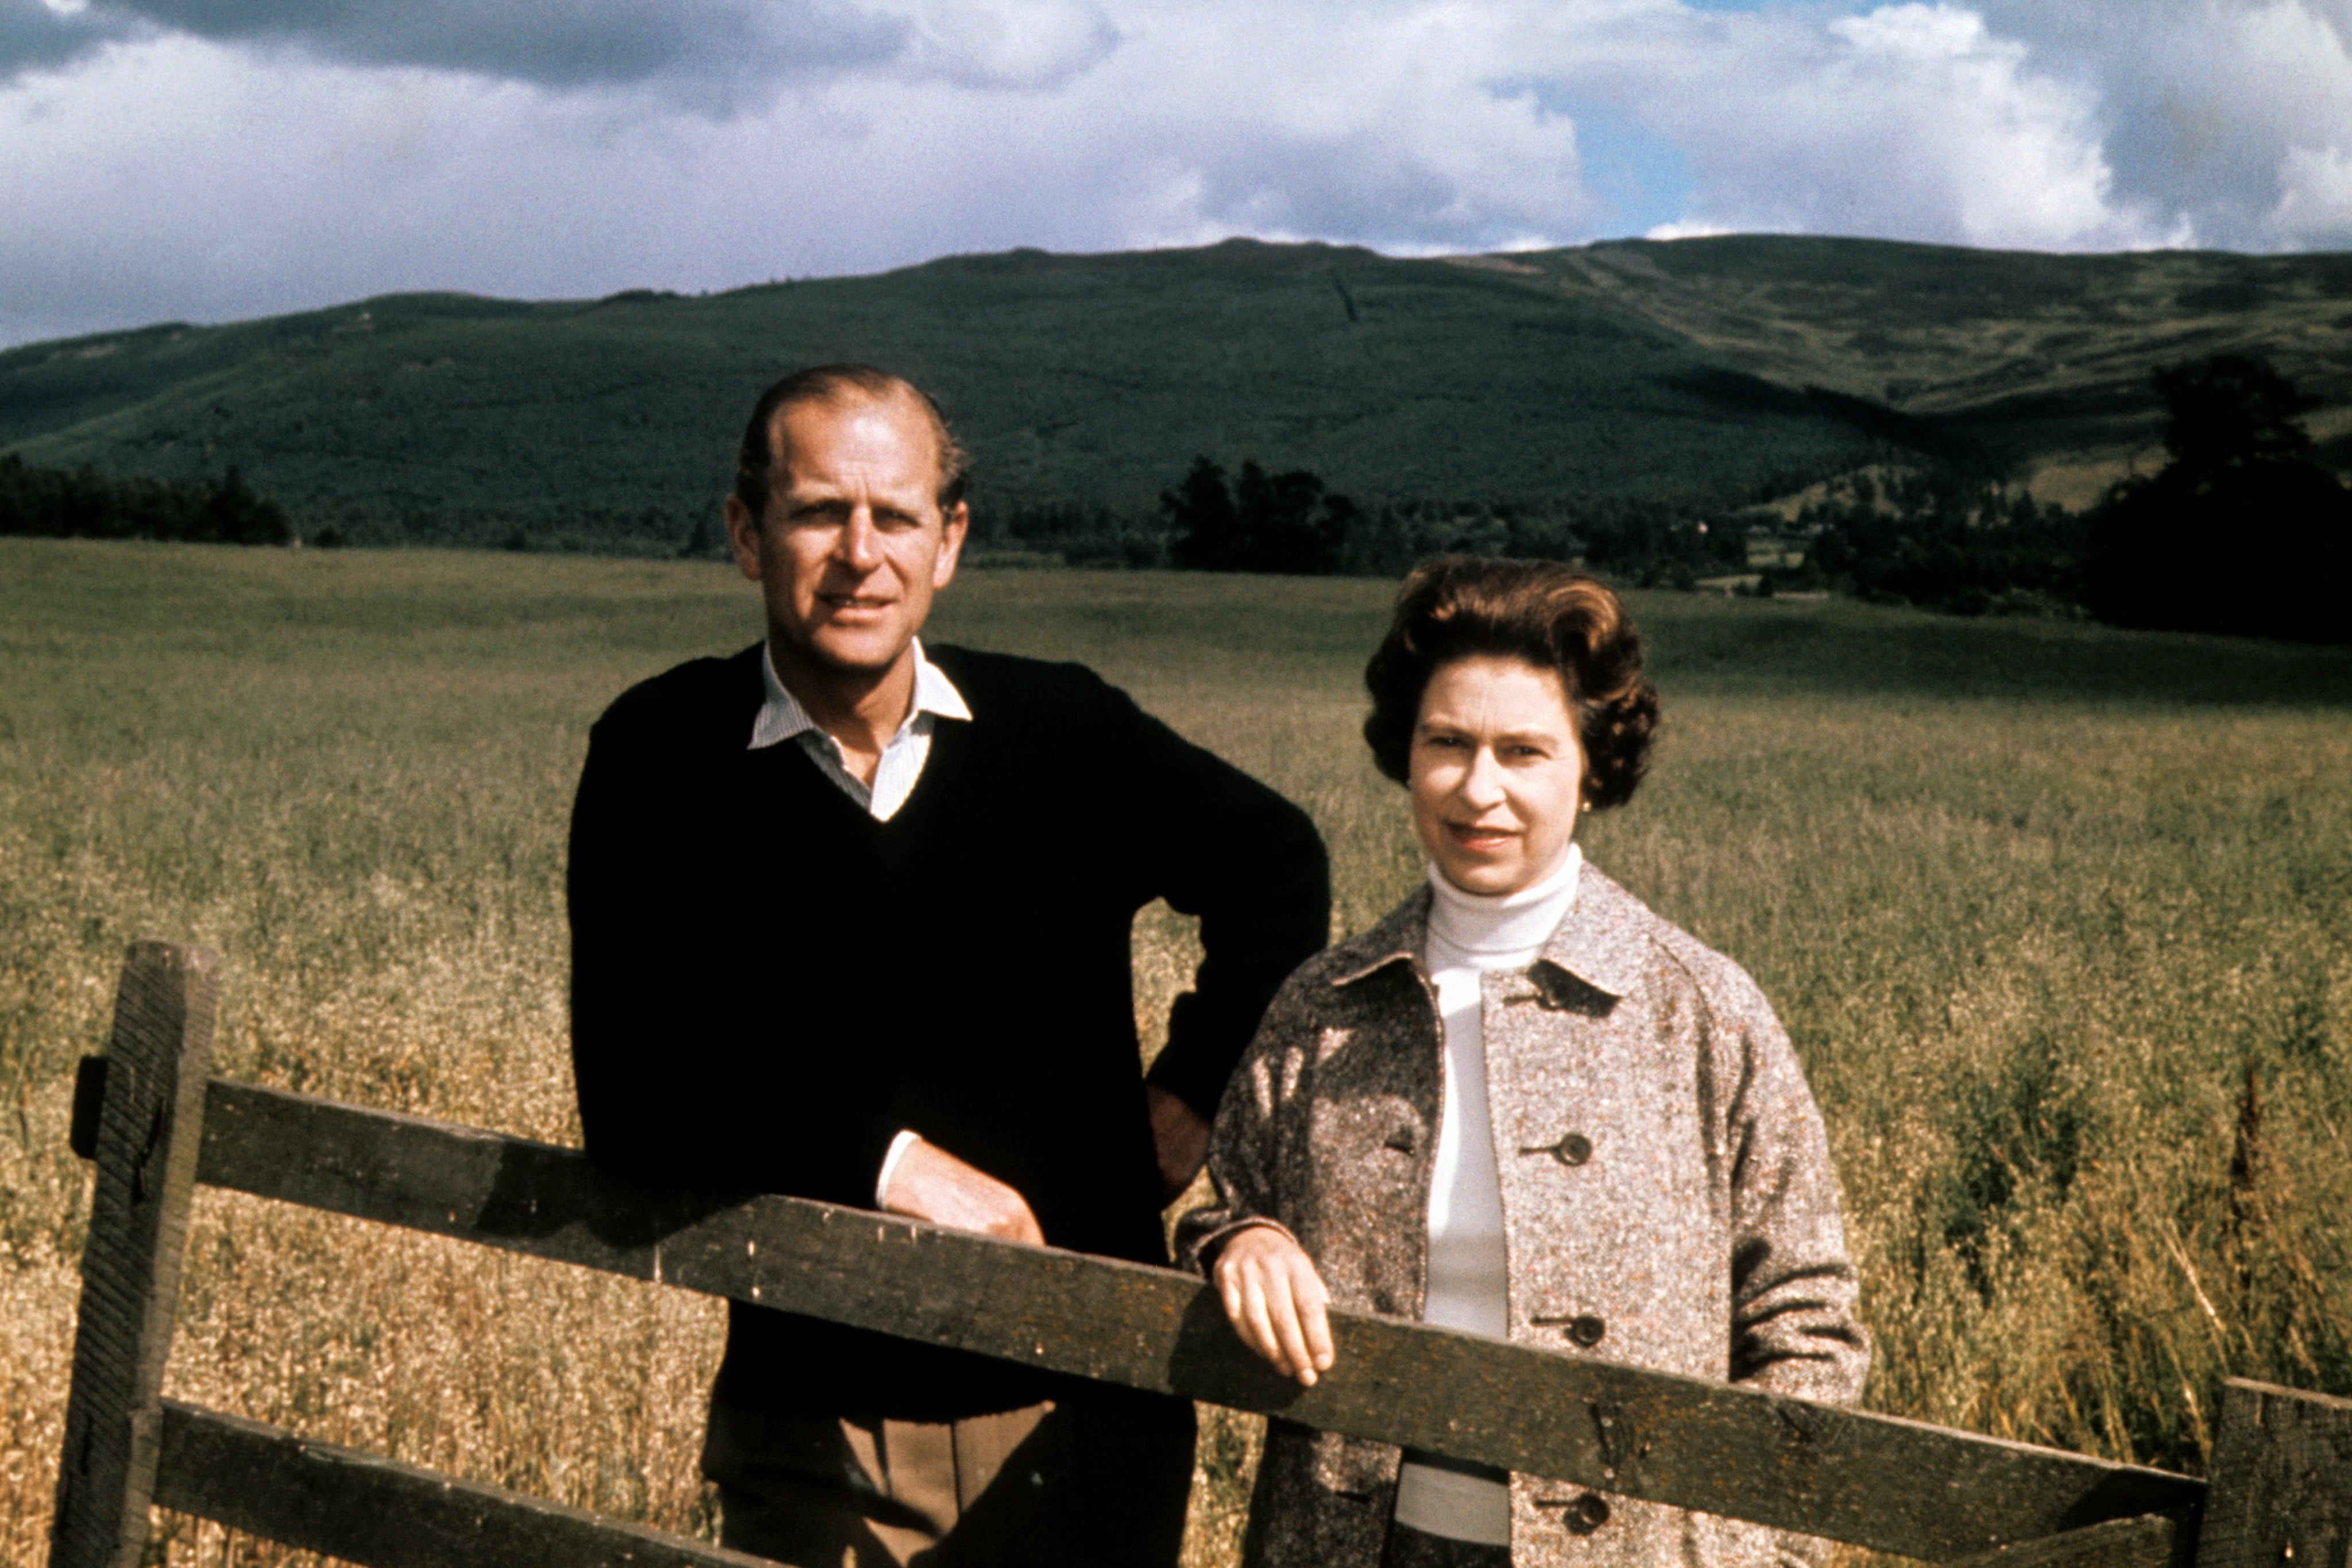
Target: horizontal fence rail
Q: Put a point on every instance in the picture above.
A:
(364, 1508)
(2147, 1541)
(1873, 1480)
(2280, 1492)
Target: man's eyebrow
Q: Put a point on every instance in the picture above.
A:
(810, 506)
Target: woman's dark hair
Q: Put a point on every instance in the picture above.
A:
(1542, 612)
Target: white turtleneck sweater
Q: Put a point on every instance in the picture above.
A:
(1470, 933)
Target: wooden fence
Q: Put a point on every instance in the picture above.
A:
(2279, 1494)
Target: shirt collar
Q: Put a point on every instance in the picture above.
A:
(934, 693)
(782, 716)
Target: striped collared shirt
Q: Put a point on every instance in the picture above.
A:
(782, 718)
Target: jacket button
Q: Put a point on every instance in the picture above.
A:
(1573, 1150)
(1582, 1515)
(1587, 1331)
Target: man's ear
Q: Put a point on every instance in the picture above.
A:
(953, 527)
(743, 533)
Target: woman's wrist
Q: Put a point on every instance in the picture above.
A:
(1212, 1249)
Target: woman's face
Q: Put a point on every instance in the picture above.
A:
(1498, 773)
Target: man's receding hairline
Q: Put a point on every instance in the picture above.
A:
(850, 388)
(840, 393)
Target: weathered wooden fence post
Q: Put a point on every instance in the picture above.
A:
(2280, 1487)
(148, 1125)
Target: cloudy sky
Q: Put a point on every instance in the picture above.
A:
(207, 160)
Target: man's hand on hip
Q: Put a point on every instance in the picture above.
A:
(1180, 1136)
(931, 1184)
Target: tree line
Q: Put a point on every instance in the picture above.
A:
(1249, 519)
(82, 503)
(2243, 531)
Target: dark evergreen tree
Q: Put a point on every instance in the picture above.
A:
(1202, 520)
(1287, 523)
(2242, 532)
(1265, 522)
(2230, 411)
(232, 514)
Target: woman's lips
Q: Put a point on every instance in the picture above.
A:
(1484, 839)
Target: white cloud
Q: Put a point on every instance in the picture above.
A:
(2014, 158)
(714, 54)
(306, 152)
(178, 177)
(1911, 121)
(1031, 47)
(2315, 195)
(2205, 100)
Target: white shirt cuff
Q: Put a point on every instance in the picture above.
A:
(899, 1146)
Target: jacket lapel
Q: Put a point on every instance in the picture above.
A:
(1400, 936)
(1603, 941)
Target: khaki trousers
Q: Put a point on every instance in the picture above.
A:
(1101, 1480)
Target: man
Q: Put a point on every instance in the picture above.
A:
(851, 921)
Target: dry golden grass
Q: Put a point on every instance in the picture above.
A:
(2038, 903)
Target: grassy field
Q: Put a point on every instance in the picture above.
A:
(2061, 919)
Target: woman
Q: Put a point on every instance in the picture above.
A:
(1522, 1105)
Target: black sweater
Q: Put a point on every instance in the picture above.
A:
(767, 984)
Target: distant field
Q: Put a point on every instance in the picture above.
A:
(2061, 919)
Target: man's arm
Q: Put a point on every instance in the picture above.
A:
(1180, 1136)
(1230, 850)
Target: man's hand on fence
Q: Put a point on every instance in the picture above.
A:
(931, 1184)
(1277, 1301)
(1180, 1136)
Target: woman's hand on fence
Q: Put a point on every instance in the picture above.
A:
(1277, 1301)
(929, 1183)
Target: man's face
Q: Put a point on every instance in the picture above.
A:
(853, 544)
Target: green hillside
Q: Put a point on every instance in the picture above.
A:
(1700, 375)
(2041, 361)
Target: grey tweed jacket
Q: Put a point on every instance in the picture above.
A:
(1667, 1202)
